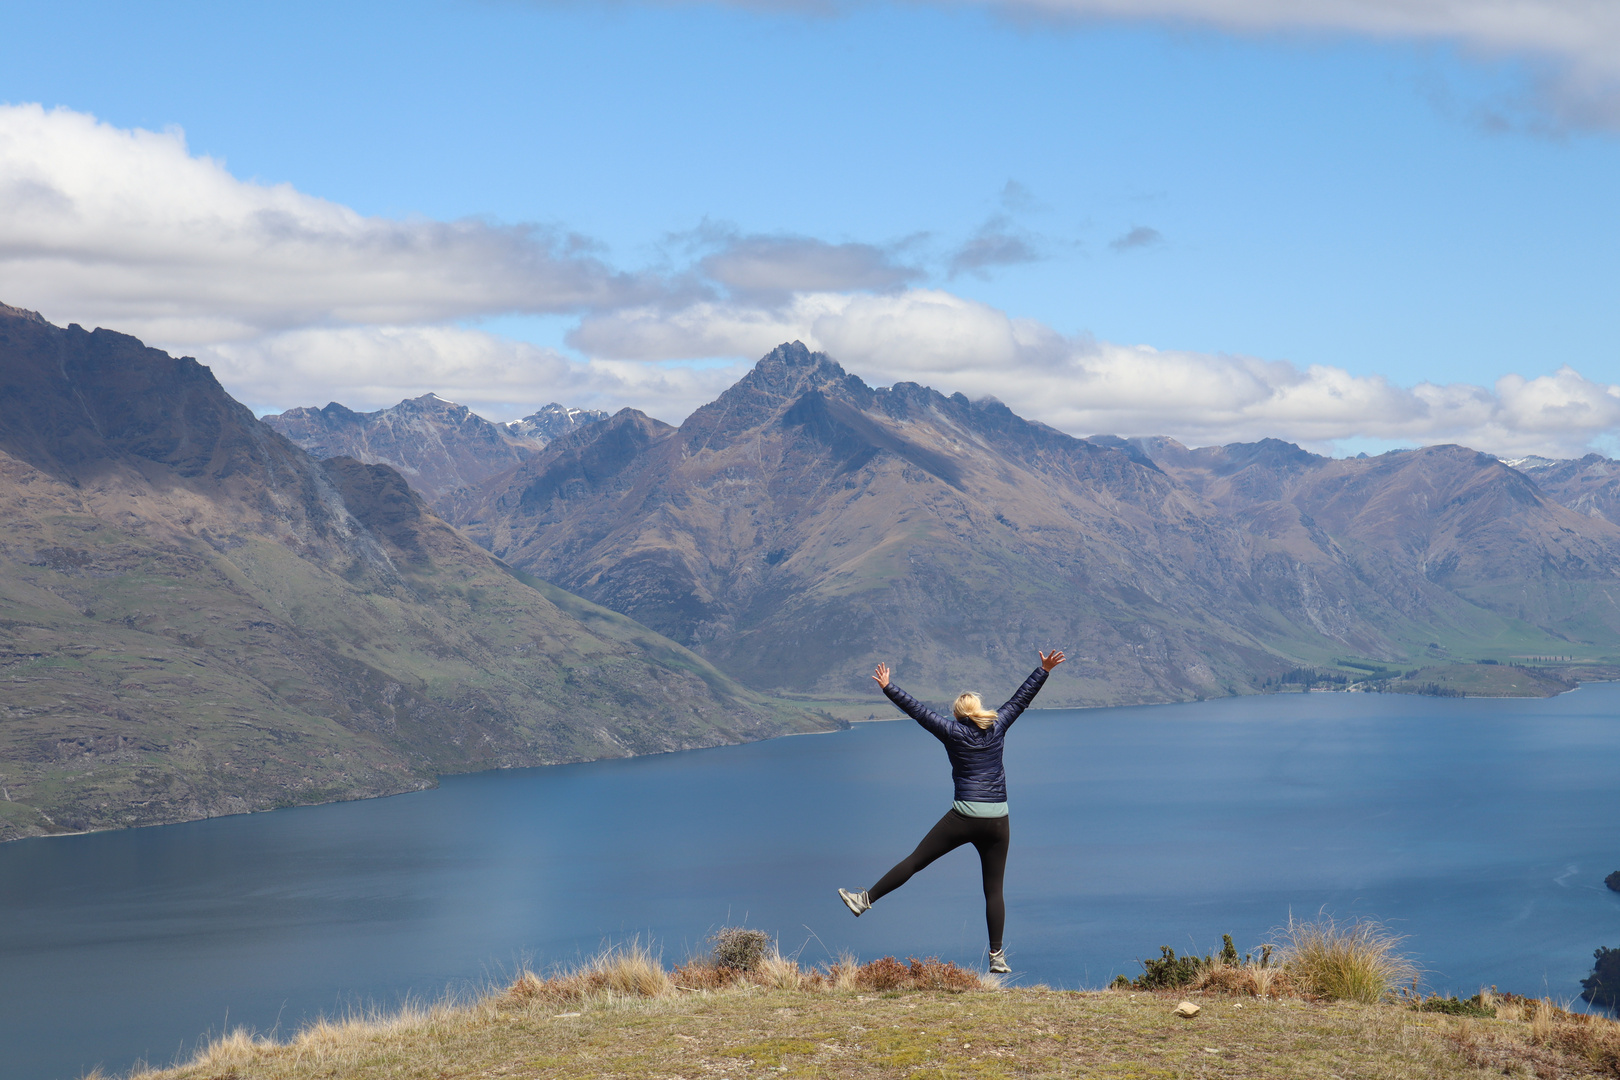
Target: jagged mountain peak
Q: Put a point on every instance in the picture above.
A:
(110, 398)
(775, 382)
(441, 445)
(552, 421)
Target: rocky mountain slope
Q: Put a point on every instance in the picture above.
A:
(197, 617)
(805, 525)
(438, 445)
(1590, 485)
(1447, 516)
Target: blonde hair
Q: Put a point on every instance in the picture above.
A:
(969, 707)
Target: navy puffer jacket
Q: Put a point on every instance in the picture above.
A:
(975, 754)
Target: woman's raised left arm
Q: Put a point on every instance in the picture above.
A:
(1032, 686)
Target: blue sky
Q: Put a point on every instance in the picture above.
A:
(981, 197)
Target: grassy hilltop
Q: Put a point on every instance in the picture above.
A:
(624, 1015)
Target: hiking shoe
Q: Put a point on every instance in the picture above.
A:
(998, 962)
(855, 901)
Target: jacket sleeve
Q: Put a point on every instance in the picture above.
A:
(1022, 697)
(928, 718)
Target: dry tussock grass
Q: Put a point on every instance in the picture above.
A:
(1534, 1037)
(1251, 979)
(1356, 961)
(630, 970)
(633, 971)
(777, 972)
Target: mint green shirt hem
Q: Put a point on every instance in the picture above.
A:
(980, 809)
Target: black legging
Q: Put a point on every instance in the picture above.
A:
(990, 835)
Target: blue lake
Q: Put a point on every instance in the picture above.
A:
(1481, 829)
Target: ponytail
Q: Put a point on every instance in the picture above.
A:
(969, 707)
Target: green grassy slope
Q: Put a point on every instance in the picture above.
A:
(196, 618)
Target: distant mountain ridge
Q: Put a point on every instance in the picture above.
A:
(438, 445)
(804, 525)
(197, 617)
(1590, 485)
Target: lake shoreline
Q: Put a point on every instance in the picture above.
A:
(845, 706)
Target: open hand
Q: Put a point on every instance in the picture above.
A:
(1052, 659)
(882, 675)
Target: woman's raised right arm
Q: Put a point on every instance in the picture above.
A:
(928, 718)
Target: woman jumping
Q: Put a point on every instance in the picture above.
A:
(973, 741)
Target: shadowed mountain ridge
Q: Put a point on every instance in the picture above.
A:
(196, 617)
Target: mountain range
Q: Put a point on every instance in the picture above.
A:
(201, 613)
(439, 446)
(198, 617)
(804, 526)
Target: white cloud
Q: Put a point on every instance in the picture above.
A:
(295, 300)
(372, 367)
(1576, 42)
(129, 229)
(1087, 387)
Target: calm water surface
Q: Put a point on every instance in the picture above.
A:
(1481, 829)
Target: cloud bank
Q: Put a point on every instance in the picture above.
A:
(1572, 45)
(1085, 386)
(296, 300)
(130, 226)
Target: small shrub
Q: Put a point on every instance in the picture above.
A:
(886, 973)
(739, 948)
(1171, 972)
(703, 974)
(1356, 962)
(934, 974)
(1451, 1006)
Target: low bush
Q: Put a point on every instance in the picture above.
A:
(934, 974)
(777, 972)
(1452, 1006)
(885, 973)
(1168, 971)
(1224, 971)
(738, 948)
